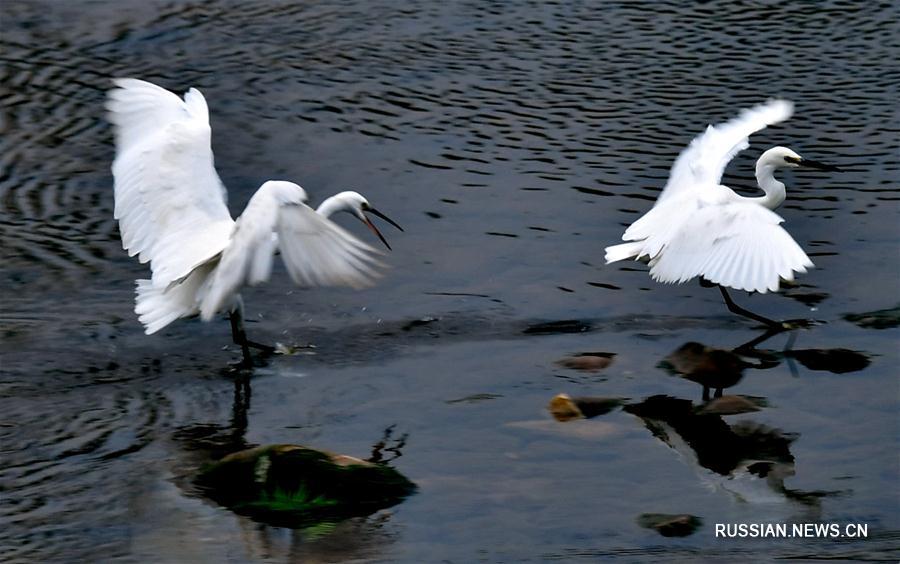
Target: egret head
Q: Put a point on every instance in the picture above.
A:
(357, 205)
(782, 157)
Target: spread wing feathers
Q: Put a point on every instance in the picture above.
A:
(656, 226)
(705, 159)
(316, 251)
(170, 202)
(740, 245)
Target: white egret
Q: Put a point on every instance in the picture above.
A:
(170, 204)
(698, 227)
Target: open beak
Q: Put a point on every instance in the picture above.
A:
(818, 166)
(374, 229)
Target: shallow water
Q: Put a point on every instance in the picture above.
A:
(513, 141)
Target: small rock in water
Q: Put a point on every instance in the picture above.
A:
(670, 525)
(587, 362)
(558, 327)
(732, 405)
(566, 408)
(296, 486)
(881, 319)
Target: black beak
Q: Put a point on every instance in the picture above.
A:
(384, 217)
(375, 229)
(818, 166)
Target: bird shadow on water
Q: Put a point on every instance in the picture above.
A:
(747, 459)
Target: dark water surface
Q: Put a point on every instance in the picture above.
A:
(513, 140)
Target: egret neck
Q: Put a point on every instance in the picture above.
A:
(334, 204)
(765, 177)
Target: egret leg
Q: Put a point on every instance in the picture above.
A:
(239, 335)
(734, 308)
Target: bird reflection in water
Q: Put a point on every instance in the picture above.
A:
(741, 456)
(748, 459)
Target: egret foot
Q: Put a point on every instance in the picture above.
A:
(266, 349)
(734, 308)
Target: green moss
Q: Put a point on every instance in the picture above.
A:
(283, 500)
(295, 486)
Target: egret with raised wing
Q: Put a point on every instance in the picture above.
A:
(698, 227)
(171, 208)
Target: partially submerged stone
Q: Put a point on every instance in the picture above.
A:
(296, 486)
(558, 327)
(565, 408)
(670, 525)
(732, 405)
(587, 362)
(880, 319)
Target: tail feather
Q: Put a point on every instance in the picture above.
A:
(159, 306)
(624, 251)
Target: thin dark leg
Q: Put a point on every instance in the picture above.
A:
(734, 308)
(238, 334)
(236, 316)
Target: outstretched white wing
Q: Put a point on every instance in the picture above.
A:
(704, 160)
(315, 250)
(739, 244)
(170, 202)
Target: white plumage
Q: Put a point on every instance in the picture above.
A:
(698, 227)
(171, 208)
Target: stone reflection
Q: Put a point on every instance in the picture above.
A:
(306, 504)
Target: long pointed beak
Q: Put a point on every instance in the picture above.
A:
(384, 217)
(819, 166)
(375, 230)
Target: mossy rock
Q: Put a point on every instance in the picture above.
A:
(296, 486)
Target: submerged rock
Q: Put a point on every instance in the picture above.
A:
(670, 525)
(296, 486)
(558, 327)
(733, 405)
(587, 362)
(565, 408)
(880, 319)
